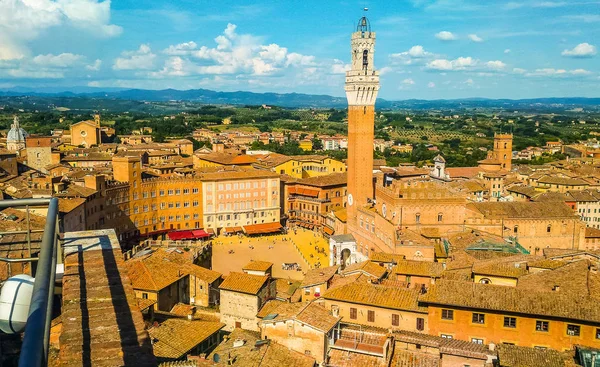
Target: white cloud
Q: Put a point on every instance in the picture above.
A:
(495, 65)
(584, 18)
(507, 51)
(582, 50)
(519, 71)
(63, 60)
(551, 72)
(460, 63)
(296, 59)
(408, 81)
(415, 54)
(446, 36)
(385, 70)
(339, 67)
(180, 49)
(95, 66)
(475, 38)
(469, 82)
(22, 21)
(431, 85)
(94, 84)
(140, 59)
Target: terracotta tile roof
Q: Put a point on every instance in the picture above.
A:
(407, 358)
(247, 355)
(528, 191)
(341, 280)
(318, 317)
(466, 172)
(173, 338)
(554, 180)
(551, 197)
(227, 158)
(385, 257)
(243, 283)
(341, 214)
(272, 159)
(447, 346)
(269, 307)
(497, 210)
(240, 174)
(574, 279)
(181, 309)
(545, 264)
(312, 314)
(376, 295)
(256, 265)
(334, 179)
(144, 303)
(418, 268)
(67, 205)
(319, 276)
(592, 232)
(366, 267)
(153, 273)
(510, 299)
(343, 358)
(506, 270)
(516, 356)
(286, 288)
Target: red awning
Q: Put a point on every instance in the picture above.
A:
(262, 228)
(328, 230)
(200, 233)
(188, 235)
(180, 235)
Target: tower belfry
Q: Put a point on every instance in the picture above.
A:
(362, 85)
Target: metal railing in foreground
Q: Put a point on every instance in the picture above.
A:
(34, 350)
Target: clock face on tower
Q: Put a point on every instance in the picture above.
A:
(350, 199)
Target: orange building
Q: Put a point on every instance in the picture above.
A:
(308, 201)
(500, 158)
(483, 314)
(86, 133)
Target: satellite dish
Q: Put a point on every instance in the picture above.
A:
(15, 299)
(216, 358)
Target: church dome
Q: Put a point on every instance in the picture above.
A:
(16, 133)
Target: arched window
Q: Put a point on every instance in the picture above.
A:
(365, 59)
(549, 228)
(440, 217)
(505, 145)
(361, 222)
(516, 230)
(418, 218)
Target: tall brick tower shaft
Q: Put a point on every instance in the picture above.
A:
(362, 85)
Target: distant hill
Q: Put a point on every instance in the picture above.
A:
(206, 96)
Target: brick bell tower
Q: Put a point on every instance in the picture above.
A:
(362, 85)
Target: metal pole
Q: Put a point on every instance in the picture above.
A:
(33, 350)
(50, 307)
(29, 239)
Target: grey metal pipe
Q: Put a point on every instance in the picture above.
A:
(25, 202)
(21, 232)
(23, 260)
(50, 307)
(33, 350)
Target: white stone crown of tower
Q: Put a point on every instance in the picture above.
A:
(362, 80)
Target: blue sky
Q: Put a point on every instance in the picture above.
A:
(425, 48)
